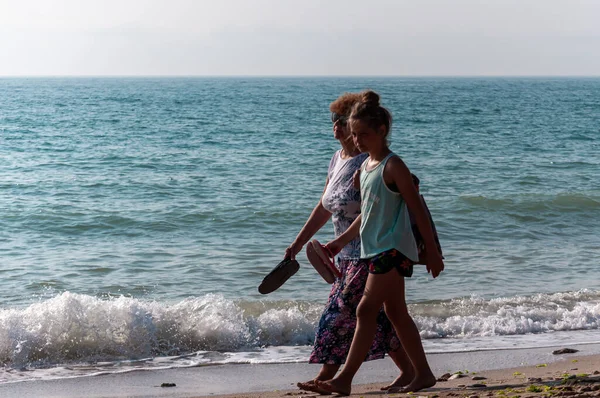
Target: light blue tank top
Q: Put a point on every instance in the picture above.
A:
(385, 221)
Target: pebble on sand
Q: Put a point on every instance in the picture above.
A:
(565, 351)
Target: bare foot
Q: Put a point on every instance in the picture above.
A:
(312, 387)
(420, 383)
(403, 380)
(335, 386)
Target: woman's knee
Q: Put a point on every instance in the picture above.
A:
(397, 311)
(368, 309)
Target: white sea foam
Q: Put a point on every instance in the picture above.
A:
(520, 315)
(73, 334)
(75, 327)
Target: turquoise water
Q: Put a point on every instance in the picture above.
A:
(139, 215)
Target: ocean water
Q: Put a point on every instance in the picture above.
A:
(139, 215)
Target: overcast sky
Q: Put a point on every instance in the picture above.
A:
(300, 37)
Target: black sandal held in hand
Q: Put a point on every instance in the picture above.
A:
(278, 276)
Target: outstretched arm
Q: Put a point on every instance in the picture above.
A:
(315, 222)
(397, 173)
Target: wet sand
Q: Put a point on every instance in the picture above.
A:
(507, 374)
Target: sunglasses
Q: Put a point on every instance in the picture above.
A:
(335, 117)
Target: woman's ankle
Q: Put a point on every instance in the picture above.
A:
(327, 372)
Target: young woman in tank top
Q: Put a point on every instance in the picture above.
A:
(341, 203)
(387, 246)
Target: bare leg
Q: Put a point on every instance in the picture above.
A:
(366, 326)
(397, 312)
(327, 372)
(407, 372)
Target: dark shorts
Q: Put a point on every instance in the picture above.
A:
(384, 262)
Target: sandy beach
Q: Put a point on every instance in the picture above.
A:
(497, 373)
(576, 377)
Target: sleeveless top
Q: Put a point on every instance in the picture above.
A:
(343, 200)
(385, 221)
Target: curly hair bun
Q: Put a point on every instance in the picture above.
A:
(370, 97)
(343, 104)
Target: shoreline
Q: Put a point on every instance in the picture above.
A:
(276, 380)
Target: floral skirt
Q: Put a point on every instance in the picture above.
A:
(338, 321)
